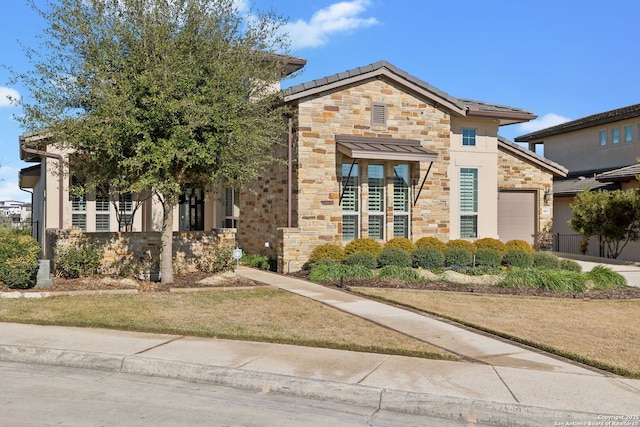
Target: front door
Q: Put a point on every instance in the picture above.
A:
(192, 210)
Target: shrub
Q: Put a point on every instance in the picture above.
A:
(487, 257)
(72, 262)
(401, 273)
(431, 242)
(518, 258)
(555, 280)
(427, 257)
(519, 244)
(256, 261)
(328, 251)
(490, 243)
(18, 258)
(363, 245)
(570, 265)
(333, 271)
(401, 242)
(394, 256)
(457, 257)
(216, 259)
(545, 260)
(604, 277)
(463, 244)
(362, 258)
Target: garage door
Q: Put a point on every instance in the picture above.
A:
(516, 215)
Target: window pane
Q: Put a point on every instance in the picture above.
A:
(603, 138)
(376, 188)
(468, 226)
(376, 227)
(401, 188)
(78, 203)
(79, 221)
(102, 201)
(469, 137)
(401, 226)
(125, 202)
(628, 133)
(102, 222)
(350, 197)
(468, 190)
(615, 135)
(349, 227)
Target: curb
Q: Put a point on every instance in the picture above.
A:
(452, 408)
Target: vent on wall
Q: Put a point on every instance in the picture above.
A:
(378, 114)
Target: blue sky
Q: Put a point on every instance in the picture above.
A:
(560, 59)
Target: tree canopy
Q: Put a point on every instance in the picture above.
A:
(612, 216)
(156, 95)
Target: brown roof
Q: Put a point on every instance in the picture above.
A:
(627, 173)
(594, 120)
(459, 106)
(573, 186)
(360, 147)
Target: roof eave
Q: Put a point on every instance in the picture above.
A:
(505, 117)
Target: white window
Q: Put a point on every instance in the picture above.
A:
(468, 203)
(231, 207)
(102, 211)
(376, 204)
(350, 202)
(469, 137)
(401, 202)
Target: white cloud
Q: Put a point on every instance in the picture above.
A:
(548, 120)
(5, 93)
(9, 189)
(241, 5)
(337, 18)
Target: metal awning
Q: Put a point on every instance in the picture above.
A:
(362, 147)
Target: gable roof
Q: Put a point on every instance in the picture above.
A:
(623, 113)
(530, 156)
(458, 106)
(573, 186)
(627, 173)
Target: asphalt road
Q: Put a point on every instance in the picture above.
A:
(38, 395)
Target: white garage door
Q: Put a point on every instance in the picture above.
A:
(516, 215)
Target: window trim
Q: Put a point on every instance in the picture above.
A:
(377, 213)
(603, 137)
(468, 137)
(355, 176)
(615, 136)
(404, 213)
(628, 134)
(464, 213)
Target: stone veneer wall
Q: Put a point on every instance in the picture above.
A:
(134, 249)
(317, 166)
(514, 173)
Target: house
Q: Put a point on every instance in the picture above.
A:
(370, 152)
(600, 152)
(376, 152)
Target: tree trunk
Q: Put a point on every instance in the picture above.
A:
(166, 254)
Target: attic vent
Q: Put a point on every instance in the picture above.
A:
(378, 114)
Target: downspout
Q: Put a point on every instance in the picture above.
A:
(60, 179)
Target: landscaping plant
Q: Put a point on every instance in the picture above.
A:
(72, 262)
(18, 258)
(394, 256)
(427, 257)
(431, 242)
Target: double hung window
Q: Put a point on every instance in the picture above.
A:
(468, 203)
(350, 202)
(401, 203)
(376, 203)
(231, 207)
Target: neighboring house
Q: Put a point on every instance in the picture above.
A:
(371, 152)
(601, 152)
(376, 152)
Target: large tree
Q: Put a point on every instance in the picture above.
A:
(612, 216)
(156, 95)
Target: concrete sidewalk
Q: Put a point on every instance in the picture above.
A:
(628, 269)
(498, 384)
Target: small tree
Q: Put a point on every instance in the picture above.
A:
(612, 216)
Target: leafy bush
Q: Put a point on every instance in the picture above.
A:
(402, 273)
(570, 265)
(362, 258)
(518, 258)
(487, 257)
(216, 259)
(555, 280)
(457, 257)
(363, 245)
(431, 242)
(490, 243)
(401, 242)
(256, 261)
(328, 251)
(334, 271)
(72, 262)
(519, 244)
(462, 244)
(427, 257)
(394, 256)
(18, 258)
(545, 260)
(604, 277)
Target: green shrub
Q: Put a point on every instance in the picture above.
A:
(487, 257)
(517, 258)
(216, 259)
(462, 244)
(603, 277)
(18, 258)
(363, 245)
(334, 271)
(401, 273)
(394, 256)
(546, 260)
(570, 265)
(72, 262)
(362, 258)
(457, 257)
(490, 243)
(427, 257)
(256, 261)
(555, 280)
(519, 244)
(431, 242)
(326, 251)
(401, 242)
